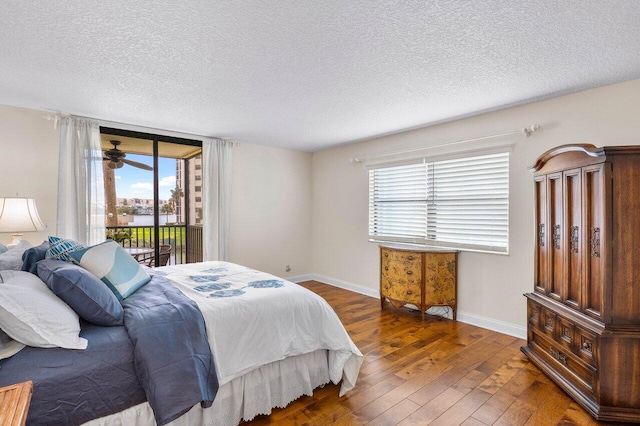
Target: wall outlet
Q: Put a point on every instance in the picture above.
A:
(287, 268)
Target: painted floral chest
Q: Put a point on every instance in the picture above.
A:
(423, 278)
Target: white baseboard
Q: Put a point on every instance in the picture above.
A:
(492, 324)
(299, 278)
(477, 320)
(347, 286)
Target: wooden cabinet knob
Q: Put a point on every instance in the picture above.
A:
(386, 255)
(386, 268)
(409, 292)
(409, 272)
(410, 257)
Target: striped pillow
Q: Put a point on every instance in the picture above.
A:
(114, 266)
(60, 248)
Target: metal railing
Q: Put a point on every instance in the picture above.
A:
(185, 240)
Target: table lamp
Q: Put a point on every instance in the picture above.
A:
(19, 215)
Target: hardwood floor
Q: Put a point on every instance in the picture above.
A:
(439, 372)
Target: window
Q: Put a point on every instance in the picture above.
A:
(198, 177)
(198, 188)
(461, 203)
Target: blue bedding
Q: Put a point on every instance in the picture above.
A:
(71, 387)
(171, 351)
(161, 355)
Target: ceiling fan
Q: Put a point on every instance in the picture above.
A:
(116, 158)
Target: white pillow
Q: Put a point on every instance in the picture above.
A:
(32, 314)
(12, 258)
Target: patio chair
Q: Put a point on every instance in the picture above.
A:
(164, 255)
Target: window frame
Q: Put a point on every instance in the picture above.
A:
(497, 243)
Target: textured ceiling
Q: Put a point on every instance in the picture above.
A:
(307, 74)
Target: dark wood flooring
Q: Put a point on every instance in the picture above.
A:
(439, 372)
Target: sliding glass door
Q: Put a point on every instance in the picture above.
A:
(153, 200)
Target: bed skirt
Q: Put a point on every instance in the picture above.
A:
(257, 392)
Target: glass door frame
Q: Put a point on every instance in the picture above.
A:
(155, 138)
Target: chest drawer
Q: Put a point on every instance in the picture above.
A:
(400, 256)
(402, 272)
(547, 322)
(402, 292)
(563, 332)
(564, 361)
(586, 345)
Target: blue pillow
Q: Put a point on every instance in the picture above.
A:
(33, 255)
(60, 248)
(82, 291)
(3, 248)
(114, 266)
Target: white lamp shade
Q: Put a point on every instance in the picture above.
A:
(19, 215)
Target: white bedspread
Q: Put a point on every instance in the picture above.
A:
(254, 319)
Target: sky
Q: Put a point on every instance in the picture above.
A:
(132, 182)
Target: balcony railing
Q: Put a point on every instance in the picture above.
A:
(185, 240)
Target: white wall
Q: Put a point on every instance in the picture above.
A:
(490, 287)
(29, 164)
(271, 210)
(271, 192)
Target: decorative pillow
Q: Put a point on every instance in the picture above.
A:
(114, 266)
(31, 314)
(3, 248)
(8, 346)
(82, 291)
(12, 258)
(33, 255)
(60, 248)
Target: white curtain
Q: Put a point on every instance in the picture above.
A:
(216, 189)
(80, 182)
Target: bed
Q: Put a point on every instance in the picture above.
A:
(207, 343)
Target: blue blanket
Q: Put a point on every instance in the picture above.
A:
(71, 387)
(161, 355)
(171, 352)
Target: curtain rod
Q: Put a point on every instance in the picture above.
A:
(527, 131)
(56, 116)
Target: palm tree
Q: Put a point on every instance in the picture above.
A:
(167, 208)
(110, 194)
(176, 194)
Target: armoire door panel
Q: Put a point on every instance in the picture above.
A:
(555, 288)
(593, 210)
(542, 243)
(573, 237)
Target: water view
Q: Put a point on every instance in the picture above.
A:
(147, 220)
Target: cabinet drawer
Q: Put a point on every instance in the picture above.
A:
(566, 333)
(402, 271)
(533, 313)
(400, 291)
(563, 361)
(401, 256)
(586, 345)
(547, 322)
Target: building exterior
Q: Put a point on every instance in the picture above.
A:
(193, 169)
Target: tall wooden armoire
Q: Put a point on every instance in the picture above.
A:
(583, 326)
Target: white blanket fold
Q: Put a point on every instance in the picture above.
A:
(254, 318)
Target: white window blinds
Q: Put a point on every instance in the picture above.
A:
(461, 203)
